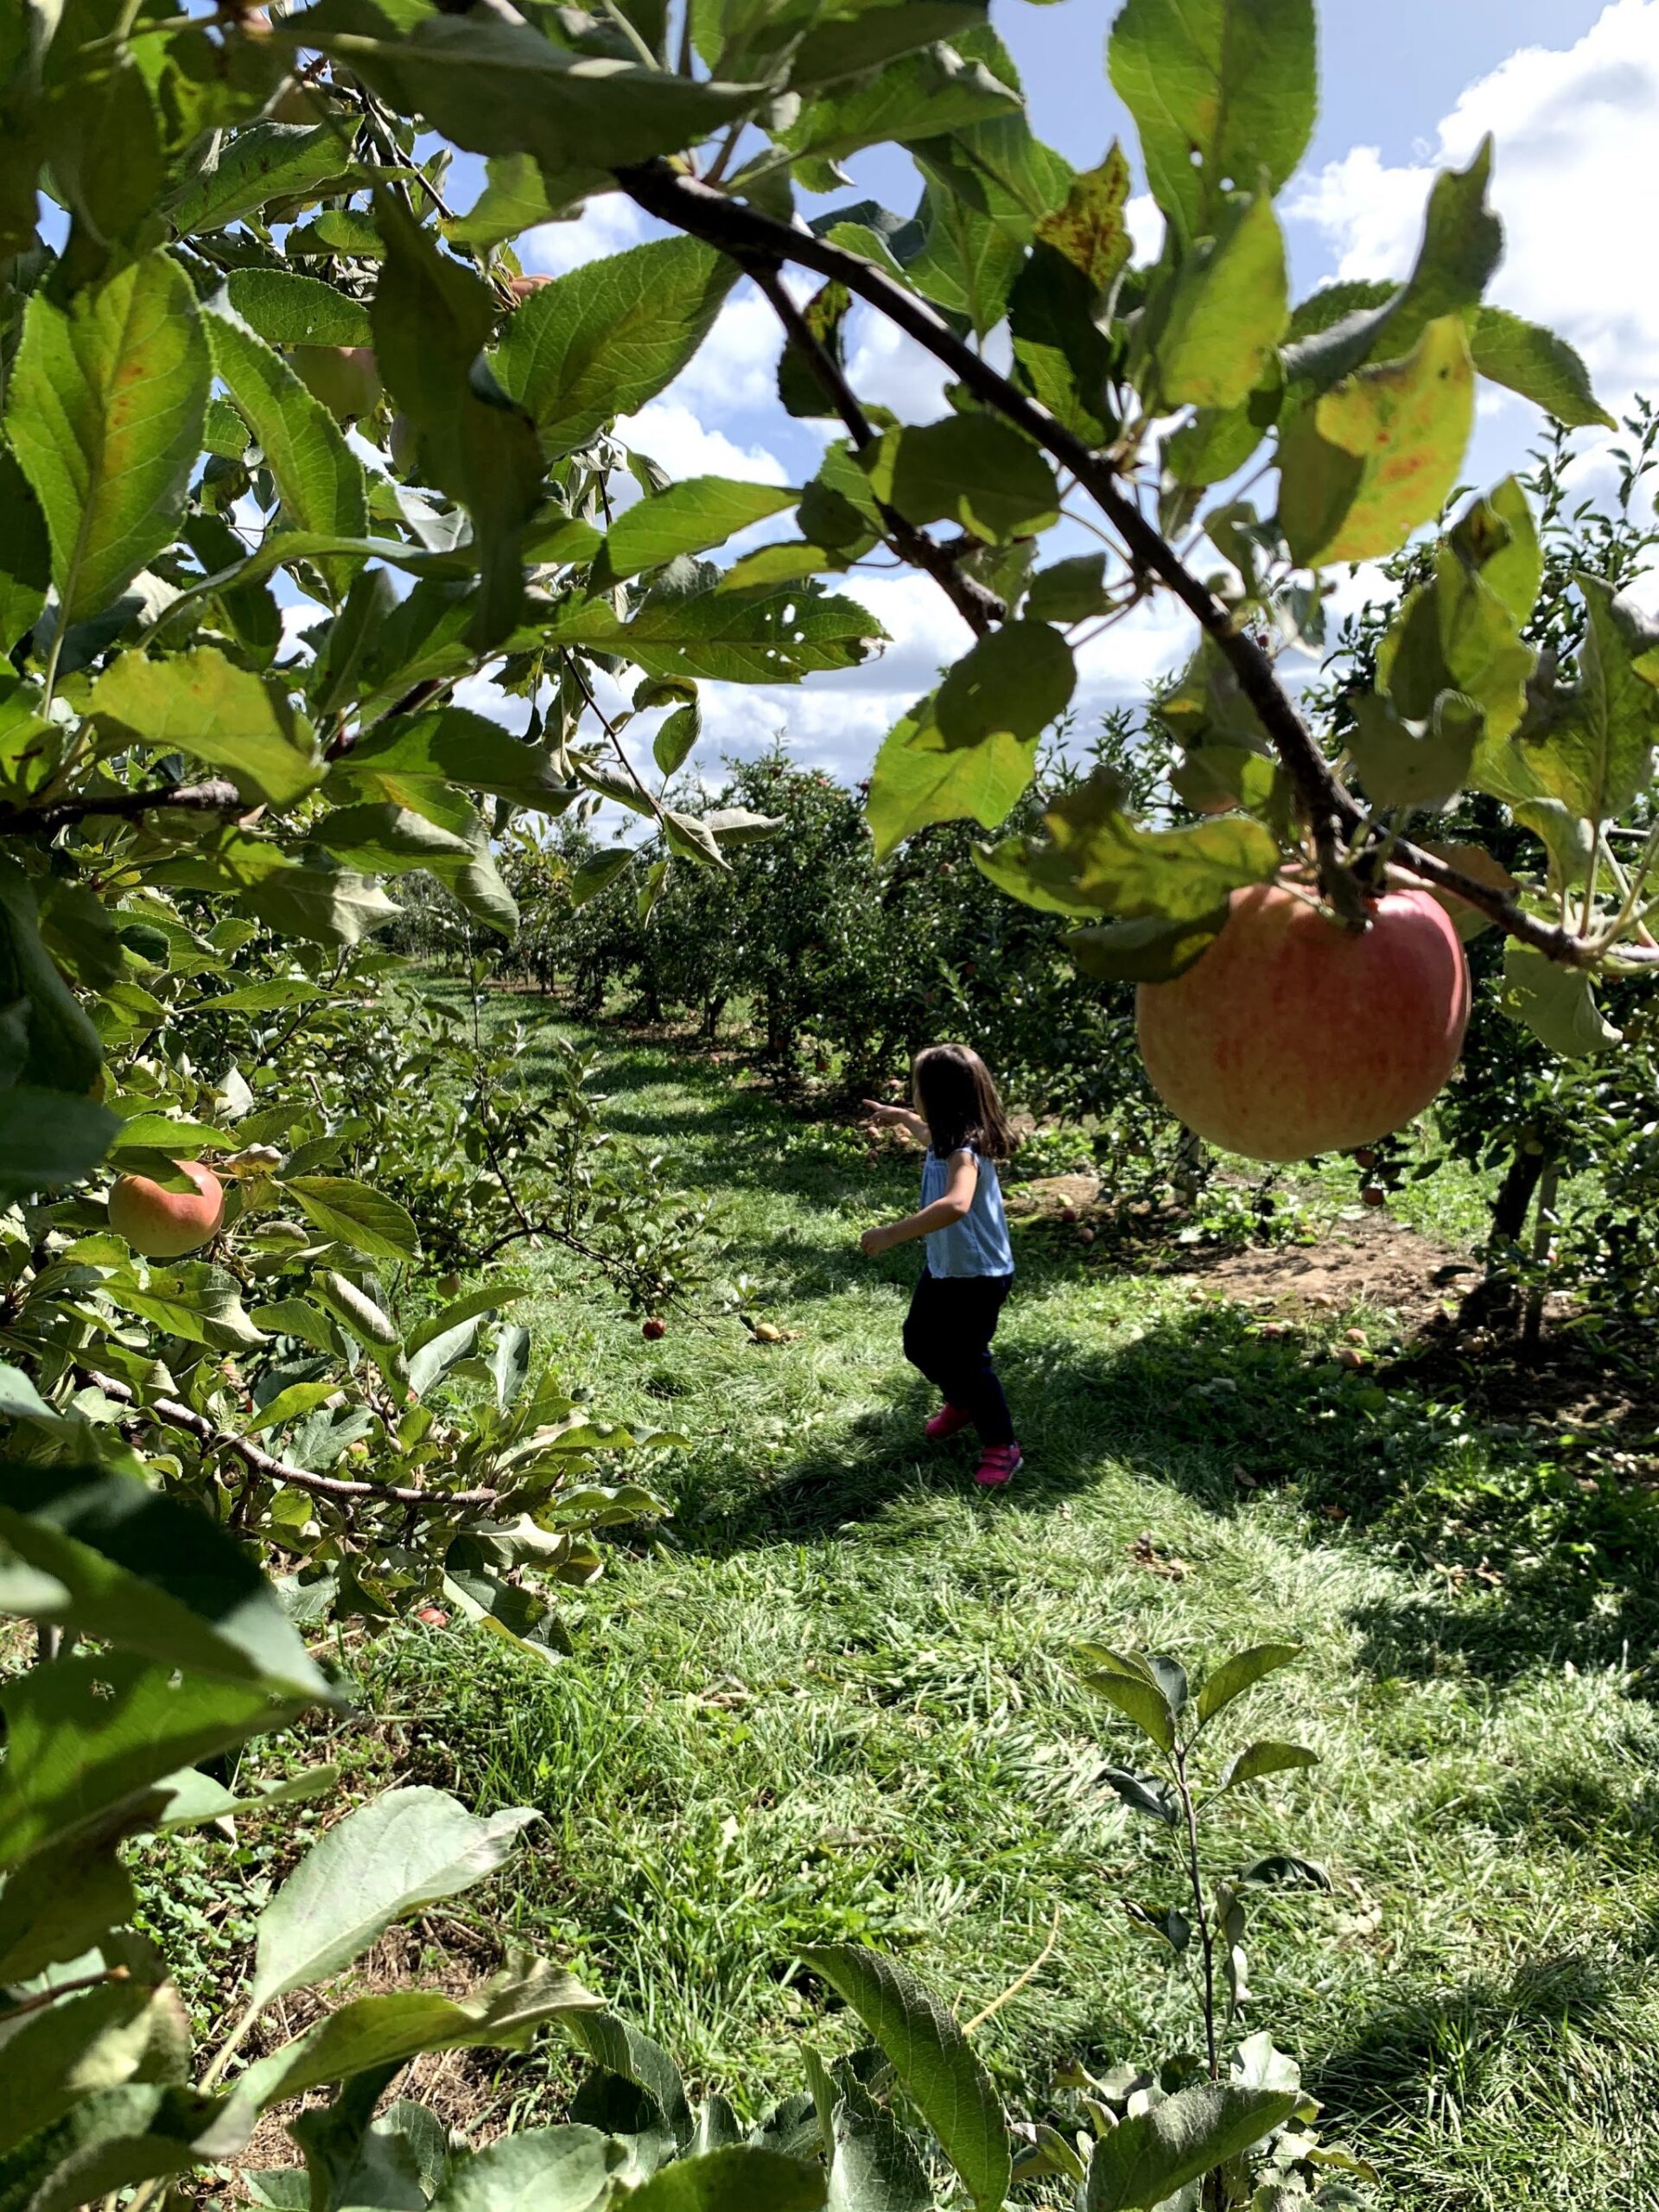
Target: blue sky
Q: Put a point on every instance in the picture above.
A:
(1570, 89)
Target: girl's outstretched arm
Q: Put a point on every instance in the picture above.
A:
(899, 1117)
(955, 1205)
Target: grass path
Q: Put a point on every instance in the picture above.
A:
(834, 1701)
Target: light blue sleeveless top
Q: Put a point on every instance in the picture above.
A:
(978, 1244)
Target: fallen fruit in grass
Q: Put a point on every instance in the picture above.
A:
(767, 1333)
(653, 1327)
(433, 1617)
(1350, 1356)
(1373, 1195)
(1293, 1036)
(344, 377)
(1068, 1213)
(1085, 1235)
(166, 1224)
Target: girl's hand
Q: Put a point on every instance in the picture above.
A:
(875, 1242)
(901, 1118)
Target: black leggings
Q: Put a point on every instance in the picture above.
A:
(947, 1335)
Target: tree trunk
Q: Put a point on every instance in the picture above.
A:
(1543, 1228)
(1494, 1292)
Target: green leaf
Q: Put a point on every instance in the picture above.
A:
(1152, 2154)
(454, 746)
(1220, 90)
(624, 2050)
(601, 341)
(493, 85)
(324, 904)
(514, 199)
(140, 2131)
(55, 1909)
(915, 781)
(672, 746)
(1541, 367)
(1144, 1793)
(397, 2025)
(87, 1736)
(846, 46)
(320, 479)
(354, 1309)
(49, 1138)
(743, 2178)
(1498, 537)
(1557, 1004)
(874, 2166)
(201, 704)
(567, 2169)
(598, 872)
(1226, 311)
(1596, 754)
(1061, 355)
(366, 1220)
(970, 469)
(800, 388)
(1013, 683)
(98, 2040)
(60, 1051)
(933, 2059)
(1239, 1673)
(432, 320)
(388, 840)
(1462, 244)
(936, 91)
(1137, 1699)
(144, 1574)
(1097, 859)
(387, 1858)
(1398, 765)
(1378, 453)
(689, 517)
(1258, 1759)
(285, 309)
(967, 264)
(1147, 950)
(1069, 590)
(103, 412)
(775, 638)
(25, 553)
(261, 163)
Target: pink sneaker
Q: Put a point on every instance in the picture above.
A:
(945, 1423)
(998, 1465)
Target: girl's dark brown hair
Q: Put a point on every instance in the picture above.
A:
(955, 1097)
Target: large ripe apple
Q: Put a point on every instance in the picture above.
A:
(1293, 1036)
(344, 377)
(166, 1224)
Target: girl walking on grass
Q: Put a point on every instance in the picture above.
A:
(969, 1269)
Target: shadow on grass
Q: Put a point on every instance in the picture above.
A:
(1457, 2052)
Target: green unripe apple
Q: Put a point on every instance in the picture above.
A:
(344, 377)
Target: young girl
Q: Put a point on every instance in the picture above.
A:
(969, 1269)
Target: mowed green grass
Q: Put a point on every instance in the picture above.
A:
(833, 1699)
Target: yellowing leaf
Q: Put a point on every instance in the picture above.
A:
(1378, 453)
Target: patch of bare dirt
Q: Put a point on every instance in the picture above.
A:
(440, 1953)
(1376, 1263)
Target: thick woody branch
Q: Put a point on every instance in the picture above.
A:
(749, 236)
(336, 1488)
(978, 608)
(215, 798)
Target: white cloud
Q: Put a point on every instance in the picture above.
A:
(1145, 226)
(1576, 179)
(608, 225)
(669, 432)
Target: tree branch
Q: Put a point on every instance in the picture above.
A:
(978, 608)
(749, 236)
(215, 798)
(336, 1487)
